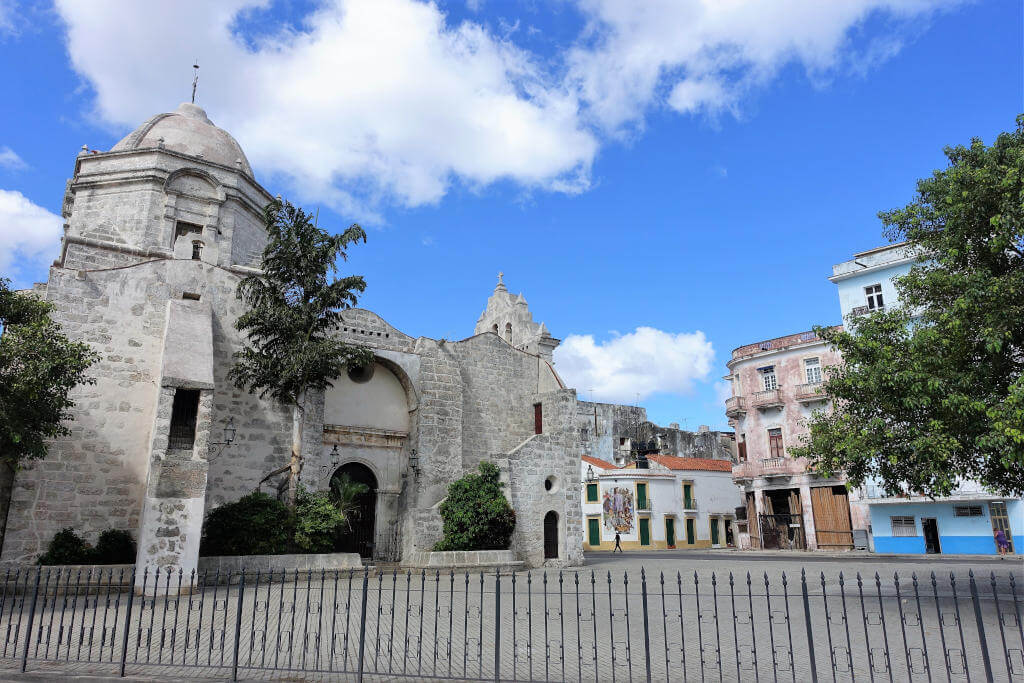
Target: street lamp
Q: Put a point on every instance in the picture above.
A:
(591, 477)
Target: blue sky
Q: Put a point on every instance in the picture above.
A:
(627, 165)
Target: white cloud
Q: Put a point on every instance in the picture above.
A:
(10, 159)
(723, 390)
(380, 100)
(645, 361)
(29, 234)
(6, 17)
(707, 55)
(372, 102)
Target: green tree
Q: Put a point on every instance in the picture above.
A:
(294, 307)
(39, 366)
(933, 392)
(346, 494)
(317, 522)
(476, 514)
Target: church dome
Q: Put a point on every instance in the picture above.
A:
(189, 131)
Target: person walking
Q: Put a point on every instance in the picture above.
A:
(618, 540)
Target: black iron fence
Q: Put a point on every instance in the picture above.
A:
(568, 625)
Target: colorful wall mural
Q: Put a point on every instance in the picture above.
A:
(618, 510)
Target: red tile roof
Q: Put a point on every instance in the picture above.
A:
(597, 462)
(707, 464)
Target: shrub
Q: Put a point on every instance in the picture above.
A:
(317, 522)
(476, 514)
(67, 547)
(256, 524)
(115, 546)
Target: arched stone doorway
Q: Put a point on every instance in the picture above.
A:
(551, 535)
(359, 536)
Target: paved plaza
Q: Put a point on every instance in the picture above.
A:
(605, 621)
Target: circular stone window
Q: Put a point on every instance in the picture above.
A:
(361, 374)
(551, 484)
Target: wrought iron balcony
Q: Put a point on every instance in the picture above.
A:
(812, 391)
(735, 406)
(690, 504)
(645, 505)
(767, 399)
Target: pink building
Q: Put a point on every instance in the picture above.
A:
(776, 385)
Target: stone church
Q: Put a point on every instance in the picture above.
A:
(159, 232)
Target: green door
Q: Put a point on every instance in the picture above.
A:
(641, 496)
(691, 531)
(714, 532)
(670, 531)
(645, 531)
(594, 531)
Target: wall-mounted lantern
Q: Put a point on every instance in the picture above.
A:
(229, 437)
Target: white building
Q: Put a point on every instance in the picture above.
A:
(674, 503)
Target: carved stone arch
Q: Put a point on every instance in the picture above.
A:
(411, 398)
(173, 184)
(372, 465)
(194, 196)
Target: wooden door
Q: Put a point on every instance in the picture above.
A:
(670, 532)
(831, 508)
(551, 535)
(645, 531)
(691, 531)
(714, 531)
(753, 529)
(594, 531)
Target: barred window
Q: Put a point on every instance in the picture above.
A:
(967, 511)
(903, 526)
(183, 419)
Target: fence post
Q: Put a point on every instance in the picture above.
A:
(238, 623)
(31, 618)
(981, 628)
(647, 630)
(362, 624)
(807, 623)
(497, 625)
(128, 619)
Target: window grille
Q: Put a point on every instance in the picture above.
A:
(967, 511)
(903, 526)
(183, 419)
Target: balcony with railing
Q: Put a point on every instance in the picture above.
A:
(772, 398)
(769, 467)
(735, 406)
(689, 503)
(644, 505)
(811, 391)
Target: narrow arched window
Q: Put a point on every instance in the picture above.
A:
(508, 332)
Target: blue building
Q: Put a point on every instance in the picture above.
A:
(966, 521)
